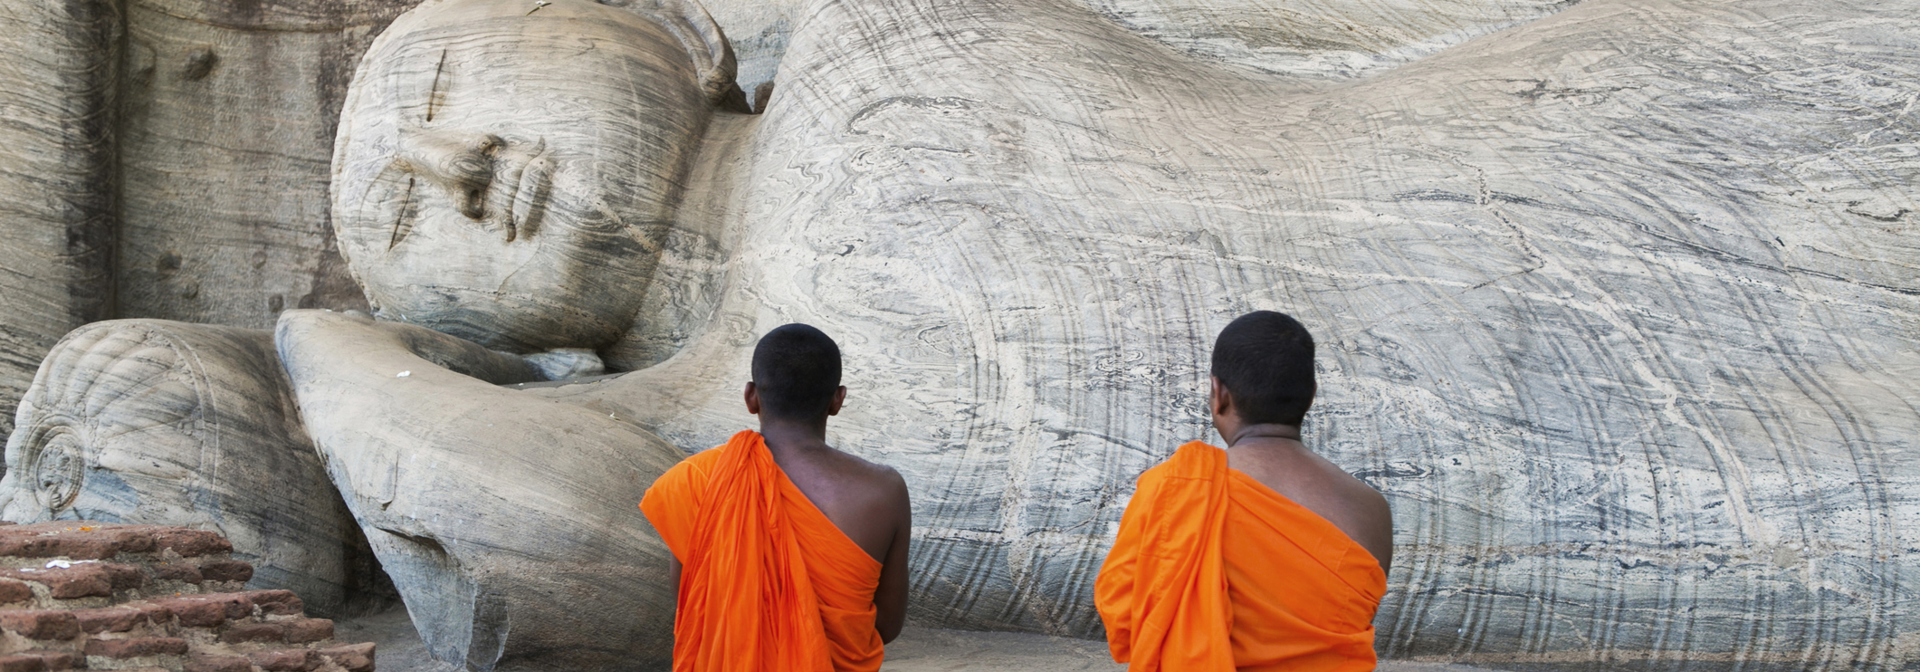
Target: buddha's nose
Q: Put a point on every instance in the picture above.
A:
(460, 162)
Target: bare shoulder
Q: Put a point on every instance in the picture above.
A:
(1368, 518)
(881, 480)
(867, 501)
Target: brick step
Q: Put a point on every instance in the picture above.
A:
(83, 540)
(339, 657)
(150, 599)
(36, 661)
(87, 564)
(255, 609)
(87, 578)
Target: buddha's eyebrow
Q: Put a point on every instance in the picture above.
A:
(435, 94)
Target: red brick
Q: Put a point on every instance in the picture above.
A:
(276, 602)
(198, 614)
(80, 540)
(206, 611)
(226, 570)
(190, 543)
(284, 660)
(353, 657)
(133, 538)
(194, 612)
(41, 623)
(76, 545)
(54, 660)
(201, 662)
(14, 591)
(156, 613)
(124, 577)
(137, 647)
(109, 619)
(176, 571)
(238, 604)
(254, 632)
(18, 663)
(85, 580)
(305, 630)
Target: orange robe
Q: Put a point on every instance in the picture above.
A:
(1213, 571)
(767, 582)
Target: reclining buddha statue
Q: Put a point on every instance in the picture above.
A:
(1617, 307)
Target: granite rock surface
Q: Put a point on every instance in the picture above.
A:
(1616, 307)
(165, 423)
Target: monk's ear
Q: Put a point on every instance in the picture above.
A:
(839, 397)
(753, 398)
(1219, 399)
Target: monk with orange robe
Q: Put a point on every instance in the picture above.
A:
(788, 554)
(1263, 556)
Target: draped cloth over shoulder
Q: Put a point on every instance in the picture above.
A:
(1213, 571)
(767, 581)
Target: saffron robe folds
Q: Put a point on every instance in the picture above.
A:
(767, 582)
(1213, 571)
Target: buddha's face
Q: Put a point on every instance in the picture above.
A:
(504, 168)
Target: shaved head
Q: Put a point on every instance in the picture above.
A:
(796, 369)
(1265, 359)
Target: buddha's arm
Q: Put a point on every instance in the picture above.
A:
(487, 505)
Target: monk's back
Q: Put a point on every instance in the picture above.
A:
(789, 554)
(1263, 556)
(859, 497)
(1311, 481)
(1302, 592)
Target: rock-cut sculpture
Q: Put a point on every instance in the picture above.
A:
(144, 421)
(1617, 307)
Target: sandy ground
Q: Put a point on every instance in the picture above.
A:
(917, 650)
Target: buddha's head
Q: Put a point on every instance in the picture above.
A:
(505, 169)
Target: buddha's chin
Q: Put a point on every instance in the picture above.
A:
(507, 322)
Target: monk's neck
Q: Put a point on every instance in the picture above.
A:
(1266, 435)
(787, 435)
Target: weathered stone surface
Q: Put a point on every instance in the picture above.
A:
(522, 212)
(1618, 307)
(168, 159)
(1339, 39)
(484, 193)
(501, 552)
(1330, 40)
(1615, 307)
(145, 421)
(58, 66)
(227, 115)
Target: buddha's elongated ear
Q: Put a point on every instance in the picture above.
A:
(705, 43)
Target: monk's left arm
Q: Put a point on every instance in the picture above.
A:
(890, 598)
